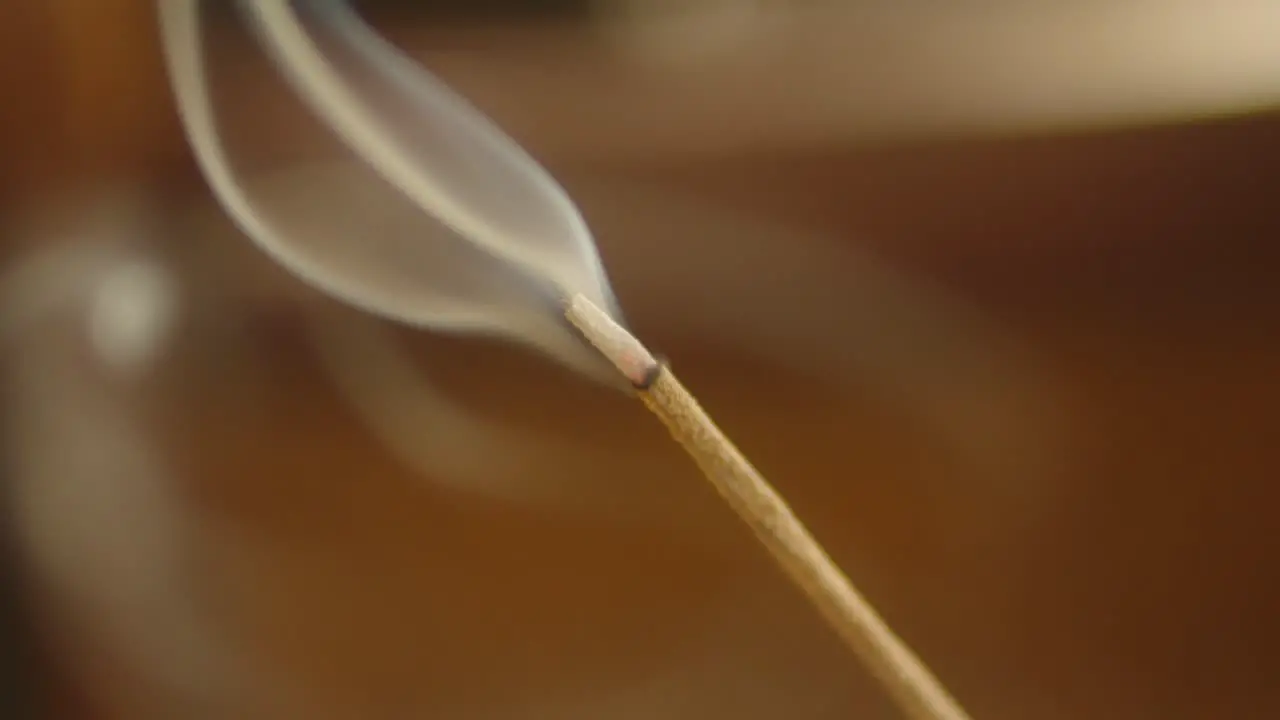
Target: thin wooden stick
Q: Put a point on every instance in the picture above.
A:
(911, 685)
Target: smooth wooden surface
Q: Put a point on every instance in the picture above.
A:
(1133, 578)
(1101, 547)
(1120, 566)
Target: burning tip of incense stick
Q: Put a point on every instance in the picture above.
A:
(620, 347)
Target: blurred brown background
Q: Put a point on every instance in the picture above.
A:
(1079, 523)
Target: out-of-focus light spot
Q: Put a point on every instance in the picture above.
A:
(131, 313)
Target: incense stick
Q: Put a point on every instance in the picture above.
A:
(339, 106)
(907, 680)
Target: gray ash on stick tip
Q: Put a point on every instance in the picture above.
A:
(652, 374)
(620, 347)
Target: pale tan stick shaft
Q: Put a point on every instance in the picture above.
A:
(911, 685)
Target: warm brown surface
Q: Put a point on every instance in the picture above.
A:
(1121, 566)
(1133, 578)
